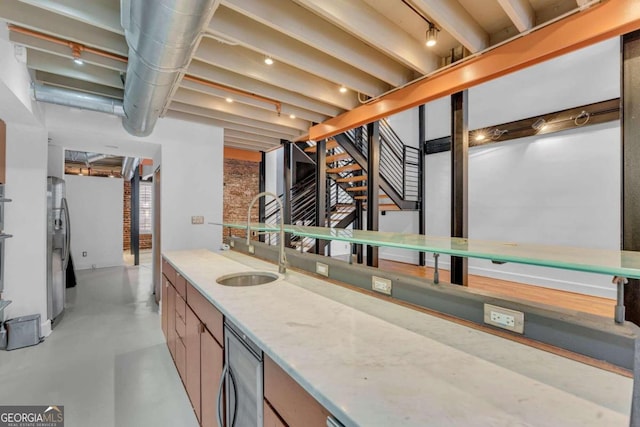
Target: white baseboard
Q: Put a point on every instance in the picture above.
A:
(45, 328)
(90, 266)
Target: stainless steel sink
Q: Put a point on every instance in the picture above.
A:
(247, 279)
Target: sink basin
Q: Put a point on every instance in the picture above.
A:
(247, 279)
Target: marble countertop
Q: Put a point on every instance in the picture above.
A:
(374, 363)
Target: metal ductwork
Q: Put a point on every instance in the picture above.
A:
(129, 165)
(161, 35)
(71, 98)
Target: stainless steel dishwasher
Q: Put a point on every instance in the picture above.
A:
(241, 379)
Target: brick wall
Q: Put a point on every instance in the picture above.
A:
(145, 239)
(241, 183)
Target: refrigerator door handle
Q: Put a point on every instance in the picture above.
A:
(67, 226)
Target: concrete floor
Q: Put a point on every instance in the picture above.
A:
(106, 361)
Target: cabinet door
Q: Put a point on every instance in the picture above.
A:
(211, 363)
(171, 320)
(163, 304)
(192, 342)
(271, 419)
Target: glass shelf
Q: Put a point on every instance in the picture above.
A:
(603, 261)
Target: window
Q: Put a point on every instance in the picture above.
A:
(146, 207)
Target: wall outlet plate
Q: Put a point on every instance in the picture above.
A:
(504, 318)
(322, 269)
(381, 285)
(197, 220)
(252, 249)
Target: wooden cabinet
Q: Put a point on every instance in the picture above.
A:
(171, 320)
(181, 358)
(291, 402)
(271, 419)
(208, 314)
(211, 364)
(194, 328)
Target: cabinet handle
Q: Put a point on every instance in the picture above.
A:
(218, 406)
(235, 398)
(202, 329)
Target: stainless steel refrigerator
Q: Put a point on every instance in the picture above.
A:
(58, 247)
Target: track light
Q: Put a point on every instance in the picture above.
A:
(80, 173)
(268, 60)
(111, 175)
(292, 116)
(540, 124)
(432, 35)
(480, 136)
(343, 89)
(76, 50)
(229, 100)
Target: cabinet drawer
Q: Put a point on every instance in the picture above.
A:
(181, 358)
(181, 307)
(168, 271)
(181, 325)
(294, 405)
(271, 419)
(181, 285)
(208, 314)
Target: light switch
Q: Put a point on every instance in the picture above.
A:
(197, 220)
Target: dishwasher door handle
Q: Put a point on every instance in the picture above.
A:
(235, 398)
(219, 405)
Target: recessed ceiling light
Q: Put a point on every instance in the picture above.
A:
(229, 100)
(78, 61)
(268, 60)
(292, 116)
(342, 89)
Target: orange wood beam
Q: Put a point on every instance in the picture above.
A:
(238, 154)
(608, 19)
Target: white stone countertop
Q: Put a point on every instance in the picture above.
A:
(371, 362)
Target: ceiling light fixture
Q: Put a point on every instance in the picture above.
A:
(432, 30)
(268, 60)
(540, 124)
(292, 116)
(76, 50)
(111, 175)
(432, 35)
(480, 136)
(343, 89)
(229, 100)
(80, 173)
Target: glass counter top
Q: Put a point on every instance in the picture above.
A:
(603, 261)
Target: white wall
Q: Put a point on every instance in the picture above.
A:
(25, 218)
(95, 211)
(55, 161)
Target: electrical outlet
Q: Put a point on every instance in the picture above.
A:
(322, 269)
(381, 285)
(197, 220)
(84, 254)
(252, 249)
(504, 318)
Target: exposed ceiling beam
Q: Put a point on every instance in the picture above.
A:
(451, 16)
(228, 133)
(361, 20)
(285, 109)
(36, 43)
(301, 24)
(104, 14)
(80, 85)
(239, 81)
(261, 38)
(251, 64)
(520, 12)
(41, 20)
(214, 103)
(598, 23)
(65, 67)
(190, 112)
(248, 145)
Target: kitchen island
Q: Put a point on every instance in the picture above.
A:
(371, 362)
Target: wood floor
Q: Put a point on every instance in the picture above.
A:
(568, 300)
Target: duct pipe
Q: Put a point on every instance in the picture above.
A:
(162, 35)
(129, 165)
(71, 98)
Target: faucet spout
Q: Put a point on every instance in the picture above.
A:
(282, 257)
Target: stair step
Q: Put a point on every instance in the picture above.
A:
(347, 168)
(332, 143)
(363, 197)
(356, 189)
(337, 157)
(388, 207)
(358, 178)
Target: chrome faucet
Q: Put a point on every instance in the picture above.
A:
(282, 258)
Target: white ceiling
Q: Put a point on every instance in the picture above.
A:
(369, 46)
